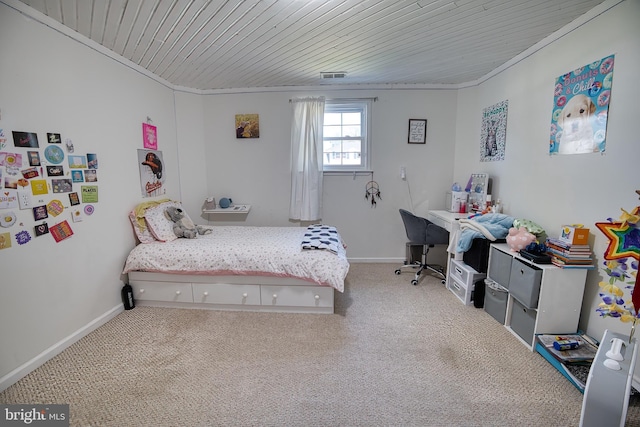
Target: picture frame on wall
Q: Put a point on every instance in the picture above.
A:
(417, 131)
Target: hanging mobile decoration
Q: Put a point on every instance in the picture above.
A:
(373, 191)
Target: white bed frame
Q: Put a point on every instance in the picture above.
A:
(248, 293)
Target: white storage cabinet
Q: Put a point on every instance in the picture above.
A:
(534, 298)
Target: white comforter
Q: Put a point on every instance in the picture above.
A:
(243, 250)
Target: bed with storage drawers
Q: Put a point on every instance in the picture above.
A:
(278, 269)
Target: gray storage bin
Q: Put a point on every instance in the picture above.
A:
(524, 283)
(495, 300)
(523, 321)
(500, 267)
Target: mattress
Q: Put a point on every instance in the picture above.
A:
(244, 250)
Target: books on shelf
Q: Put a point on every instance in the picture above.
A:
(566, 255)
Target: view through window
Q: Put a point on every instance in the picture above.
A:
(345, 133)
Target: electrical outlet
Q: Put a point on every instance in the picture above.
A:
(403, 173)
(24, 200)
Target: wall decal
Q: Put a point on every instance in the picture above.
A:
(89, 193)
(25, 139)
(61, 231)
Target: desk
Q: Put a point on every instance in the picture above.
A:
(445, 219)
(450, 222)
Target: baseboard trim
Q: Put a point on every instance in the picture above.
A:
(23, 370)
(376, 260)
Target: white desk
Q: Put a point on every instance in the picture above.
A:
(445, 219)
(450, 222)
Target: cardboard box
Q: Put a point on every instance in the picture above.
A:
(574, 235)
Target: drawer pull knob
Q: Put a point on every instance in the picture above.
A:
(178, 292)
(275, 296)
(245, 295)
(206, 293)
(317, 296)
(142, 291)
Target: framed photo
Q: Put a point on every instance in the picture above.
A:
(247, 126)
(417, 131)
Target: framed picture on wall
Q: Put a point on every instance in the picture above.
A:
(247, 126)
(417, 131)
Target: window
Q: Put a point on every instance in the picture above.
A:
(346, 135)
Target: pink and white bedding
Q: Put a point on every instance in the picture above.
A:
(243, 250)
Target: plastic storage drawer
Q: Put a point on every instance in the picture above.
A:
(460, 290)
(500, 267)
(464, 273)
(523, 321)
(524, 283)
(495, 300)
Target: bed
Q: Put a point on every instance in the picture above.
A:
(280, 269)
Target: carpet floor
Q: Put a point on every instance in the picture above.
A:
(393, 354)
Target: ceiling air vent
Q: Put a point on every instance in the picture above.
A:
(333, 75)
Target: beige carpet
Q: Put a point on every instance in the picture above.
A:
(393, 355)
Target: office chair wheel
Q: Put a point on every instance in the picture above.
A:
(443, 281)
(398, 272)
(414, 282)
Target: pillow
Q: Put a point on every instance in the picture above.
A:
(141, 229)
(531, 226)
(160, 225)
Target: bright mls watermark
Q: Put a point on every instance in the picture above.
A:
(34, 415)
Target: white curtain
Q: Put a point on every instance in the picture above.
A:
(306, 159)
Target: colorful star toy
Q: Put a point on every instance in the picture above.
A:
(624, 237)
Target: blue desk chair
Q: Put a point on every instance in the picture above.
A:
(422, 232)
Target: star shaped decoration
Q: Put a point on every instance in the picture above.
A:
(624, 236)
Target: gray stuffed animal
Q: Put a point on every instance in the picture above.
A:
(182, 224)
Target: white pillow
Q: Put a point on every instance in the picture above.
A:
(160, 225)
(143, 234)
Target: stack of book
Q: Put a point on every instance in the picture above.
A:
(573, 364)
(566, 255)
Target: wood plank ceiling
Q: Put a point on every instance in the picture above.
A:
(224, 44)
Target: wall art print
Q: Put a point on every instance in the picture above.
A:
(493, 134)
(247, 126)
(152, 174)
(149, 136)
(580, 109)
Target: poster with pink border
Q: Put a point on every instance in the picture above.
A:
(150, 136)
(580, 109)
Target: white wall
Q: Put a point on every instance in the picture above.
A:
(50, 83)
(256, 171)
(557, 190)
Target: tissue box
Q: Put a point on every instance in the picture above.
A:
(574, 235)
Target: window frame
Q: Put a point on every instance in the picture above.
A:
(363, 106)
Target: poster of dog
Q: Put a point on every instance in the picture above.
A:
(580, 109)
(493, 134)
